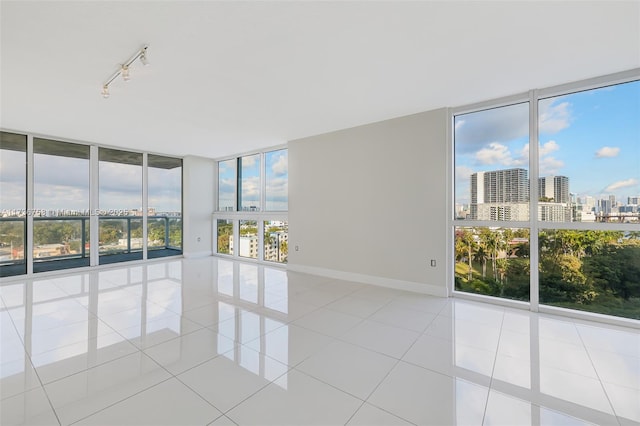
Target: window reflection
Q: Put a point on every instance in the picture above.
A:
(225, 277)
(56, 319)
(533, 358)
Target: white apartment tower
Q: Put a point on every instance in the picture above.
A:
(554, 188)
(500, 195)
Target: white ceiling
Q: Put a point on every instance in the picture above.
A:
(231, 77)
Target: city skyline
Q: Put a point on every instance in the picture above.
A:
(591, 137)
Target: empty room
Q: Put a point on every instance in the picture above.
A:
(319, 212)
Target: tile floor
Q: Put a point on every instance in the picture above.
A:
(215, 342)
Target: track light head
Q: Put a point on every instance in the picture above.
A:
(125, 72)
(143, 57)
(105, 91)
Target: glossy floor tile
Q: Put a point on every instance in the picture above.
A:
(217, 342)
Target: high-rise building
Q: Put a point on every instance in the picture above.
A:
(500, 195)
(554, 188)
(587, 203)
(605, 206)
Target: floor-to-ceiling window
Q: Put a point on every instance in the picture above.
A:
(276, 180)
(589, 193)
(249, 188)
(120, 189)
(53, 192)
(555, 222)
(164, 222)
(252, 203)
(492, 201)
(13, 203)
(61, 185)
(227, 185)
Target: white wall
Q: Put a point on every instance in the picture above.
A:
(197, 199)
(370, 203)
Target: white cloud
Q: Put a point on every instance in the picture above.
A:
(500, 125)
(607, 152)
(249, 161)
(554, 118)
(548, 147)
(621, 184)
(54, 197)
(463, 173)
(497, 153)
(524, 153)
(251, 188)
(550, 166)
(281, 166)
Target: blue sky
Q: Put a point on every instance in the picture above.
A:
(276, 180)
(593, 137)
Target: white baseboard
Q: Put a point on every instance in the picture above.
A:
(422, 288)
(197, 254)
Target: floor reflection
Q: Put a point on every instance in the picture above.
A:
(249, 339)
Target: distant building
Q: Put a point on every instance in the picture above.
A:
(50, 250)
(273, 244)
(500, 195)
(604, 206)
(248, 245)
(554, 212)
(587, 204)
(554, 188)
(586, 216)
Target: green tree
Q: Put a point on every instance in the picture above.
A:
(481, 256)
(616, 270)
(468, 239)
(494, 242)
(156, 233)
(223, 244)
(517, 287)
(562, 280)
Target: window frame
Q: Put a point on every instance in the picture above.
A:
(533, 224)
(260, 216)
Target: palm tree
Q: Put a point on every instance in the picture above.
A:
(468, 238)
(491, 240)
(481, 256)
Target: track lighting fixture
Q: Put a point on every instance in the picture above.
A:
(124, 69)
